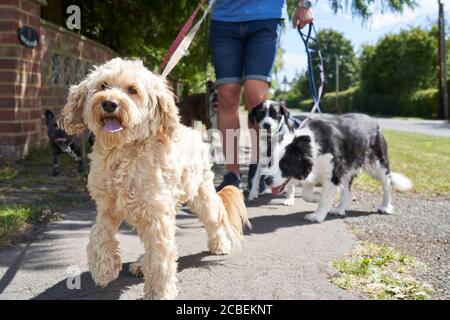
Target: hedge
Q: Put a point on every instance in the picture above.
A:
(422, 103)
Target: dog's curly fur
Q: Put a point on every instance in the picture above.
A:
(143, 173)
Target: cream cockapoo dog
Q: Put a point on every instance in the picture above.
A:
(145, 164)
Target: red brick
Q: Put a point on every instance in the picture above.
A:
(12, 140)
(9, 63)
(8, 102)
(9, 127)
(8, 76)
(28, 126)
(31, 8)
(15, 3)
(9, 25)
(10, 51)
(35, 114)
(9, 38)
(14, 115)
(34, 22)
(30, 103)
(21, 65)
(9, 14)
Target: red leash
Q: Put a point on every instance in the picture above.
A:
(180, 36)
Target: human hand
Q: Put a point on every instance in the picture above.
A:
(302, 17)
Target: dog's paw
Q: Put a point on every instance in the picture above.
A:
(220, 247)
(338, 212)
(253, 195)
(314, 198)
(104, 267)
(136, 269)
(289, 202)
(315, 217)
(386, 209)
(169, 293)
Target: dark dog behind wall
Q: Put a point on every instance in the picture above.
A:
(195, 107)
(61, 143)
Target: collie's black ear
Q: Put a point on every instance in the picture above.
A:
(49, 116)
(284, 111)
(252, 114)
(306, 165)
(303, 139)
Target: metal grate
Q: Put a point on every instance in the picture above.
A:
(66, 70)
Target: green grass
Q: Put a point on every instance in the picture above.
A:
(381, 272)
(29, 195)
(13, 218)
(8, 172)
(424, 159)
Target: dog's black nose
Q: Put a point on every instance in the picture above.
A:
(109, 106)
(266, 126)
(268, 180)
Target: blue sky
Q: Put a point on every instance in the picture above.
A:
(380, 24)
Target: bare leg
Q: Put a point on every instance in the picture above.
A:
(159, 263)
(255, 93)
(228, 118)
(329, 190)
(102, 250)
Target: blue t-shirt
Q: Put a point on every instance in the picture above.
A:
(248, 10)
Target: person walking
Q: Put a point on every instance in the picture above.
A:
(245, 36)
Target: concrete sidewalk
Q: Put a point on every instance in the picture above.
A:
(283, 257)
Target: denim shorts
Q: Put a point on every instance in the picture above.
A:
(244, 50)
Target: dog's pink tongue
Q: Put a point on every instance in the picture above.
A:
(276, 191)
(112, 125)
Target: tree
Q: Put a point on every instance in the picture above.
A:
(362, 8)
(400, 63)
(146, 29)
(333, 45)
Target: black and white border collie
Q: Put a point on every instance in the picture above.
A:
(273, 119)
(330, 151)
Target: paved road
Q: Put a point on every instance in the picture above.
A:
(283, 257)
(431, 127)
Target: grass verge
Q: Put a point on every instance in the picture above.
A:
(423, 158)
(381, 272)
(29, 195)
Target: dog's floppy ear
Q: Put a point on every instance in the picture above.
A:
(301, 140)
(71, 119)
(252, 114)
(306, 165)
(167, 111)
(285, 112)
(49, 116)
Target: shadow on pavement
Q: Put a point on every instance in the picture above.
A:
(270, 223)
(89, 290)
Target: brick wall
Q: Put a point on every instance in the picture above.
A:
(32, 80)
